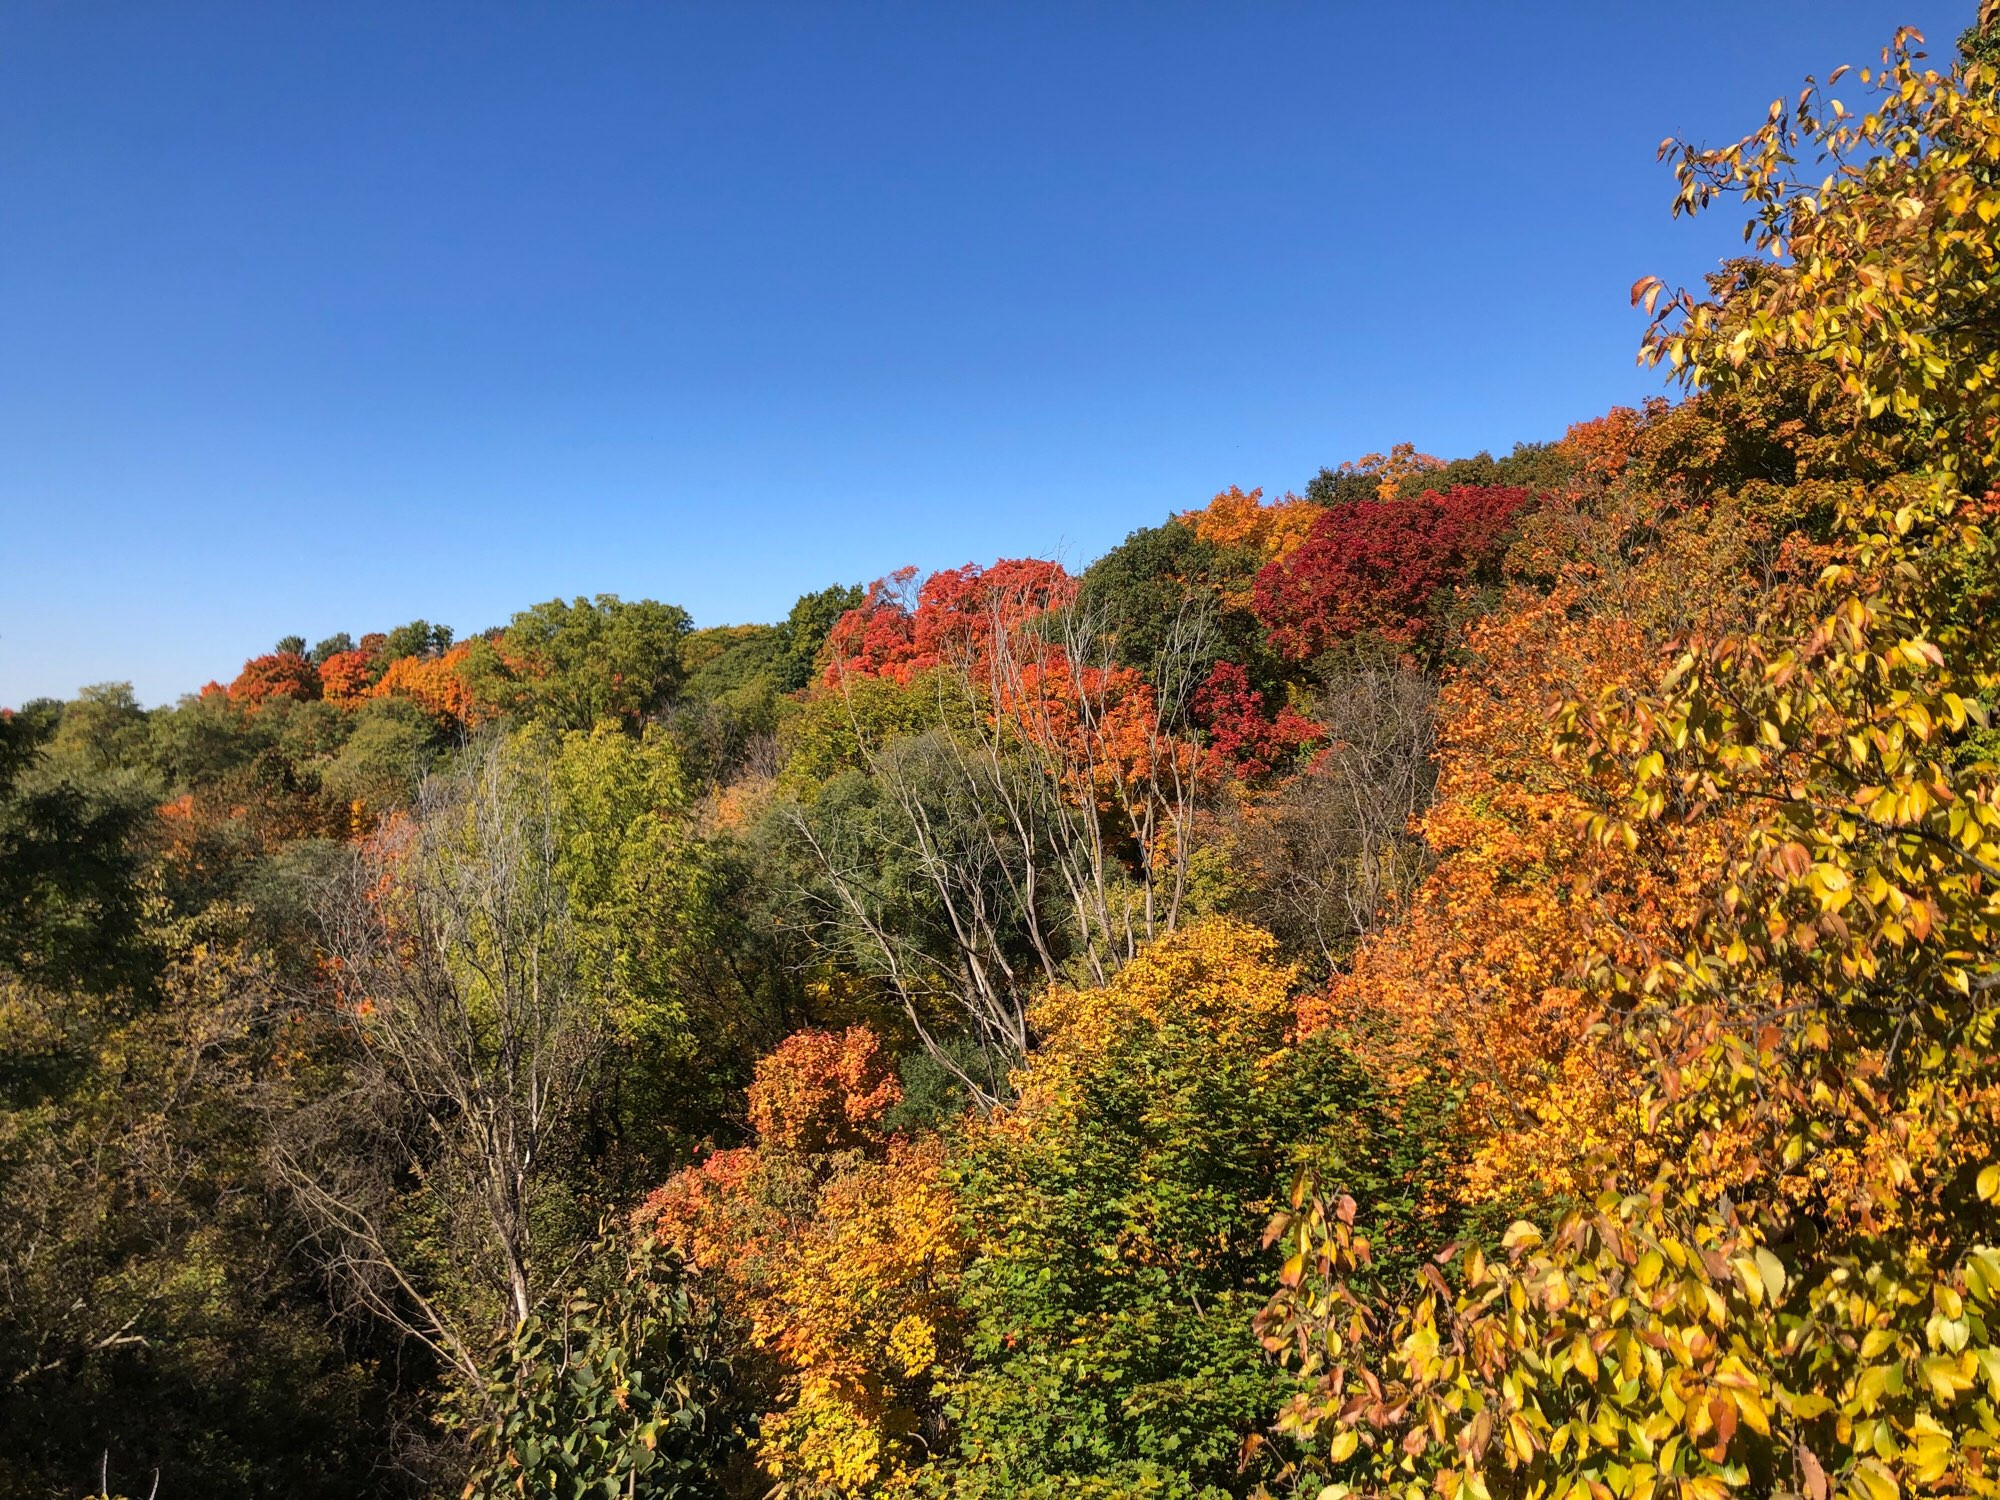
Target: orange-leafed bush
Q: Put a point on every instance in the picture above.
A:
(1394, 471)
(709, 1211)
(1483, 980)
(863, 1309)
(1095, 730)
(837, 1248)
(1604, 447)
(346, 676)
(1478, 979)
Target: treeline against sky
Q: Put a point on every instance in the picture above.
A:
(1474, 979)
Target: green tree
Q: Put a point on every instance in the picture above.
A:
(333, 645)
(806, 628)
(730, 700)
(102, 733)
(1117, 1214)
(389, 744)
(1140, 591)
(418, 638)
(586, 660)
(69, 904)
(151, 1318)
(644, 896)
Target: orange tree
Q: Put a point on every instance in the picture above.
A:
(1776, 1273)
(835, 1245)
(282, 674)
(436, 684)
(1236, 522)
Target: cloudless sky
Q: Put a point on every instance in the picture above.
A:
(321, 317)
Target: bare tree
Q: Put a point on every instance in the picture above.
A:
(456, 965)
(1111, 758)
(1041, 832)
(1336, 849)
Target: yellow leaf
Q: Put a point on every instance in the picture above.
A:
(1584, 1358)
(1520, 1235)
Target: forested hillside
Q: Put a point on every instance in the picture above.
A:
(1474, 979)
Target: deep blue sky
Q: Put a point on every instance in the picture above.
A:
(324, 316)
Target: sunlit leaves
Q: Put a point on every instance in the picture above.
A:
(1877, 258)
(283, 674)
(1787, 1286)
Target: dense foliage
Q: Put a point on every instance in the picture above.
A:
(1475, 979)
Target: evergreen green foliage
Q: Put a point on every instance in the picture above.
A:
(333, 645)
(418, 638)
(805, 630)
(1161, 574)
(390, 743)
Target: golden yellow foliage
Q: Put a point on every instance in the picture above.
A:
(838, 1250)
(1237, 521)
(863, 1309)
(1484, 977)
(1218, 972)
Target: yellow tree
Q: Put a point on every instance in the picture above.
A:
(1792, 1289)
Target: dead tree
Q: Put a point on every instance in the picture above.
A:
(1336, 849)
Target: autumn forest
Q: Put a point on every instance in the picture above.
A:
(1476, 979)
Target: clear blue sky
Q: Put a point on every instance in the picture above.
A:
(325, 316)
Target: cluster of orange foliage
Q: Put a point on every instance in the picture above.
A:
(280, 674)
(1482, 978)
(835, 1243)
(348, 675)
(435, 684)
(823, 1091)
(1604, 447)
(1390, 470)
(1097, 728)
